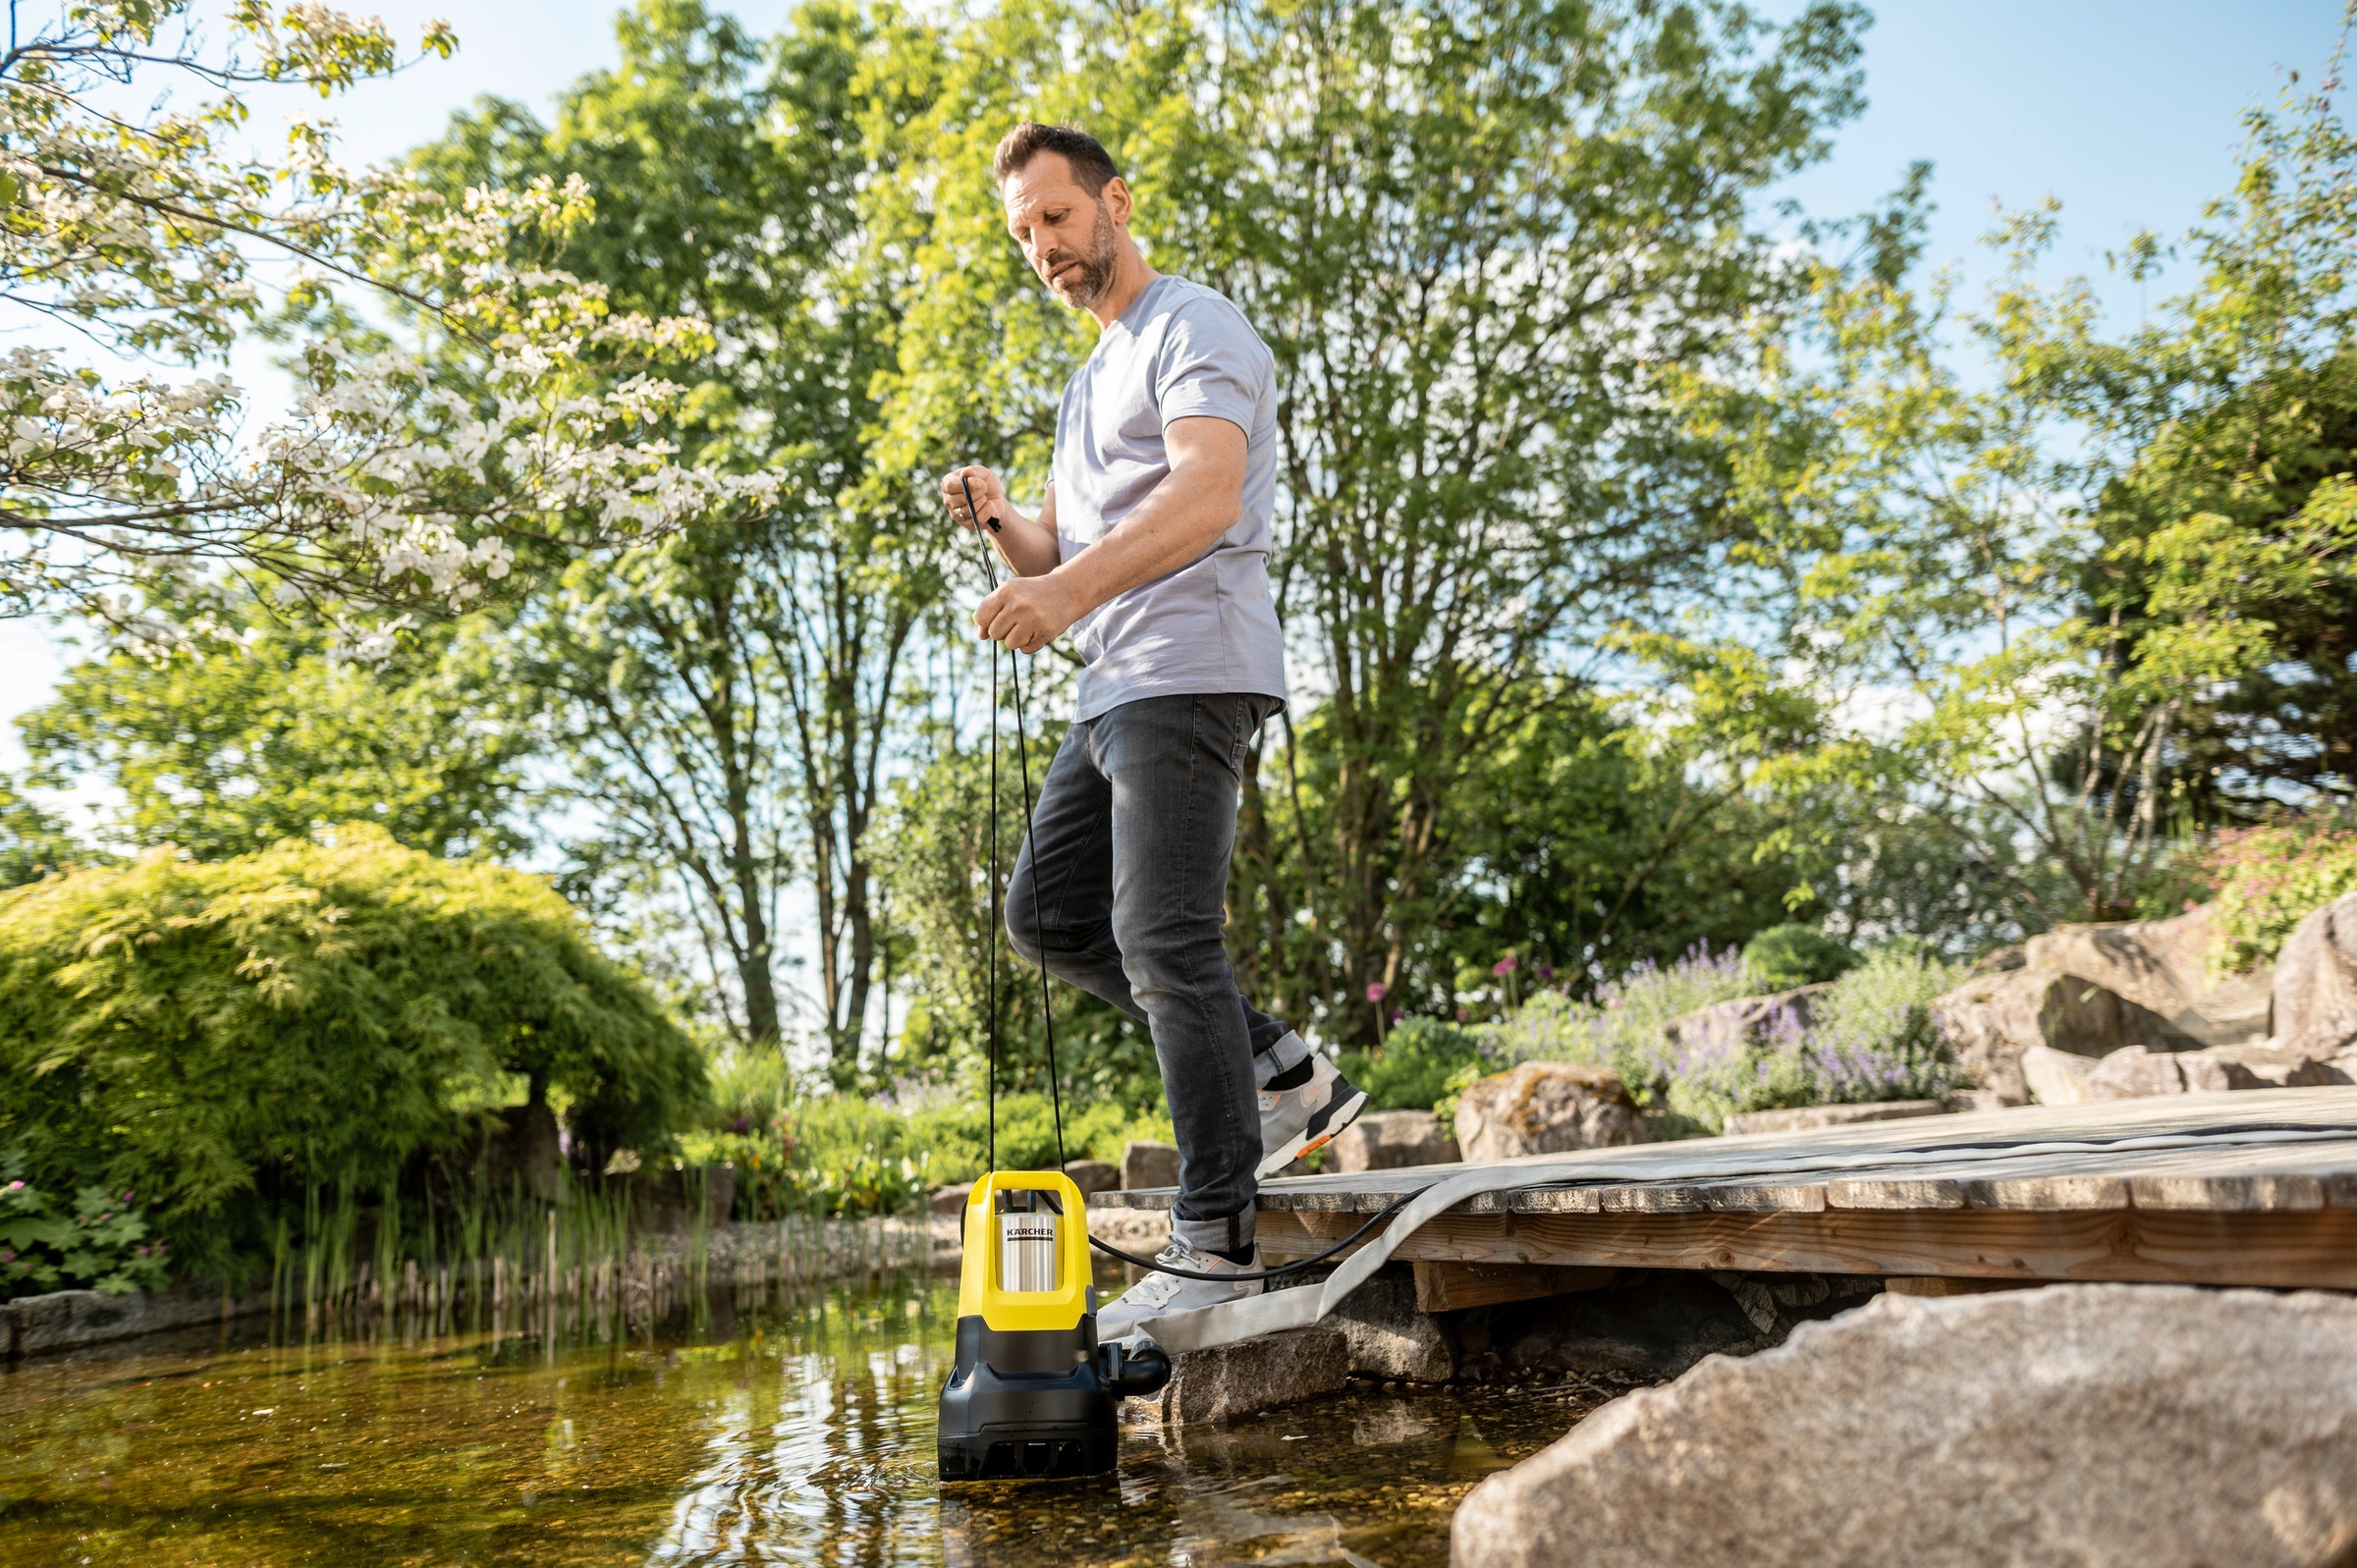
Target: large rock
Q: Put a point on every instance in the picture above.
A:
(1546, 1108)
(1389, 1140)
(526, 1152)
(1093, 1176)
(1387, 1336)
(1724, 1028)
(1146, 1163)
(2316, 983)
(1993, 1019)
(2161, 967)
(2058, 1077)
(1255, 1375)
(663, 1198)
(2136, 1426)
(1802, 1118)
(2133, 1073)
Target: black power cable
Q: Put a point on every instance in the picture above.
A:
(1282, 1270)
(1047, 1015)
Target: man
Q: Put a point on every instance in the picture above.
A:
(1151, 549)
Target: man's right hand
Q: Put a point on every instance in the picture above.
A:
(990, 495)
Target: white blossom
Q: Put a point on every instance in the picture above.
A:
(385, 482)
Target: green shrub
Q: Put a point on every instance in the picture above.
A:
(845, 1156)
(2269, 879)
(101, 1244)
(219, 1036)
(1413, 1069)
(1785, 956)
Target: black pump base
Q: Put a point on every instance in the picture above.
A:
(1035, 1404)
(1026, 1404)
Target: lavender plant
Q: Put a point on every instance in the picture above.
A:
(1867, 1036)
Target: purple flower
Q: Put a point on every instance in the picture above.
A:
(1546, 972)
(1378, 991)
(1505, 966)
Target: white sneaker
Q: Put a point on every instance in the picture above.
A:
(1306, 1117)
(1157, 1294)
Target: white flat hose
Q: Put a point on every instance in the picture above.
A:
(1228, 1322)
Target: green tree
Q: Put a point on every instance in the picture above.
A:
(1585, 841)
(2090, 606)
(224, 749)
(935, 857)
(1474, 239)
(34, 842)
(724, 702)
(2229, 508)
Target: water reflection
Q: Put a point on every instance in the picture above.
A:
(797, 1432)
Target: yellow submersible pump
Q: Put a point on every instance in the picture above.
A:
(1032, 1392)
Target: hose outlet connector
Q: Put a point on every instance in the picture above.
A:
(1133, 1371)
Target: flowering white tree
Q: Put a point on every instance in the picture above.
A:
(400, 475)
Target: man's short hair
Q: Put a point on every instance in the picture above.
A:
(1091, 164)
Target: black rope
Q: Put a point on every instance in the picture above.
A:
(1047, 1014)
(1047, 1018)
(1294, 1267)
(990, 916)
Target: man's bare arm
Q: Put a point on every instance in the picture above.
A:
(1025, 542)
(1176, 524)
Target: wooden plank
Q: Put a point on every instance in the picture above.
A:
(1894, 1192)
(1556, 1201)
(1651, 1200)
(1748, 1198)
(2227, 1194)
(2285, 1248)
(1938, 1286)
(2050, 1193)
(1454, 1287)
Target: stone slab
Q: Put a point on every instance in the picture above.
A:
(69, 1320)
(1255, 1375)
(1390, 1335)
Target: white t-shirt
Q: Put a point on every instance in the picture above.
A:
(1180, 351)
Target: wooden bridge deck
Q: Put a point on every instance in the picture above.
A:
(2261, 1189)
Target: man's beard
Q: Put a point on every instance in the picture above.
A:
(1089, 276)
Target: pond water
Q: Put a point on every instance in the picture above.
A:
(796, 1431)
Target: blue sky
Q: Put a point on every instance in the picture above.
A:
(2127, 112)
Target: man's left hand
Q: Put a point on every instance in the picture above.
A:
(1027, 614)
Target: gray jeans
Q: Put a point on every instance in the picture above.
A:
(1128, 857)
